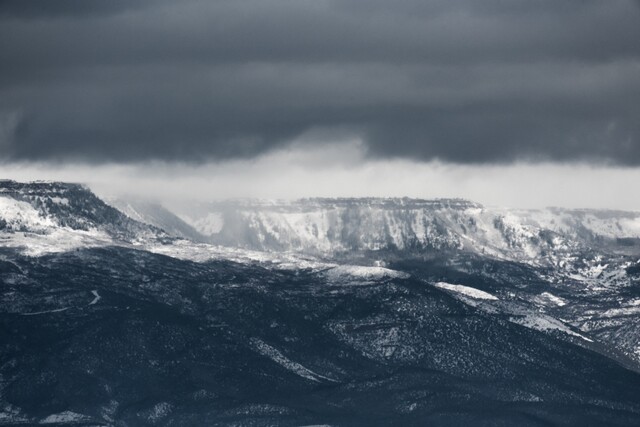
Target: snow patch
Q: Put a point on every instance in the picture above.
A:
(545, 323)
(21, 216)
(547, 296)
(55, 240)
(64, 417)
(364, 272)
(60, 200)
(466, 290)
(623, 311)
(202, 252)
(96, 298)
(275, 355)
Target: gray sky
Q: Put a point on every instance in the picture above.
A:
(172, 89)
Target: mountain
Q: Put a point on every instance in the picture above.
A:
(314, 312)
(156, 215)
(116, 336)
(43, 207)
(344, 226)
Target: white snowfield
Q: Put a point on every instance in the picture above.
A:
(20, 216)
(466, 290)
(363, 272)
(27, 229)
(549, 297)
(54, 240)
(202, 252)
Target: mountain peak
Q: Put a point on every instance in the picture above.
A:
(43, 206)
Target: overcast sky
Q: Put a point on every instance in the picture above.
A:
(528, 103)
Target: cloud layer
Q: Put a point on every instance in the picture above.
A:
(455, 80)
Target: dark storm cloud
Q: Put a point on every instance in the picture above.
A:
(462, 81)
(30, 9)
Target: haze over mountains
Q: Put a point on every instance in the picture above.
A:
(316, 311)
(334, 226)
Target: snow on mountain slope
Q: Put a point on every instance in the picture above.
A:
(25, 227)
(325, 227)
(16, 215)
(156, 215)
(583, 223)
(332, 226)
(55, 240)
(44, 217)
(466, 290)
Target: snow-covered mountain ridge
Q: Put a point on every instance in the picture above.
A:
(40, 215)
(326, 227)
(330, 226)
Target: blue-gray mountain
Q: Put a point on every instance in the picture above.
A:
(334, 312)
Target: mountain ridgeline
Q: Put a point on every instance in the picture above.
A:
(339, 312)
(338, 226)
(332, 227)
(34, 206)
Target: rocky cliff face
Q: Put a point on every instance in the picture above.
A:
(333, 226)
